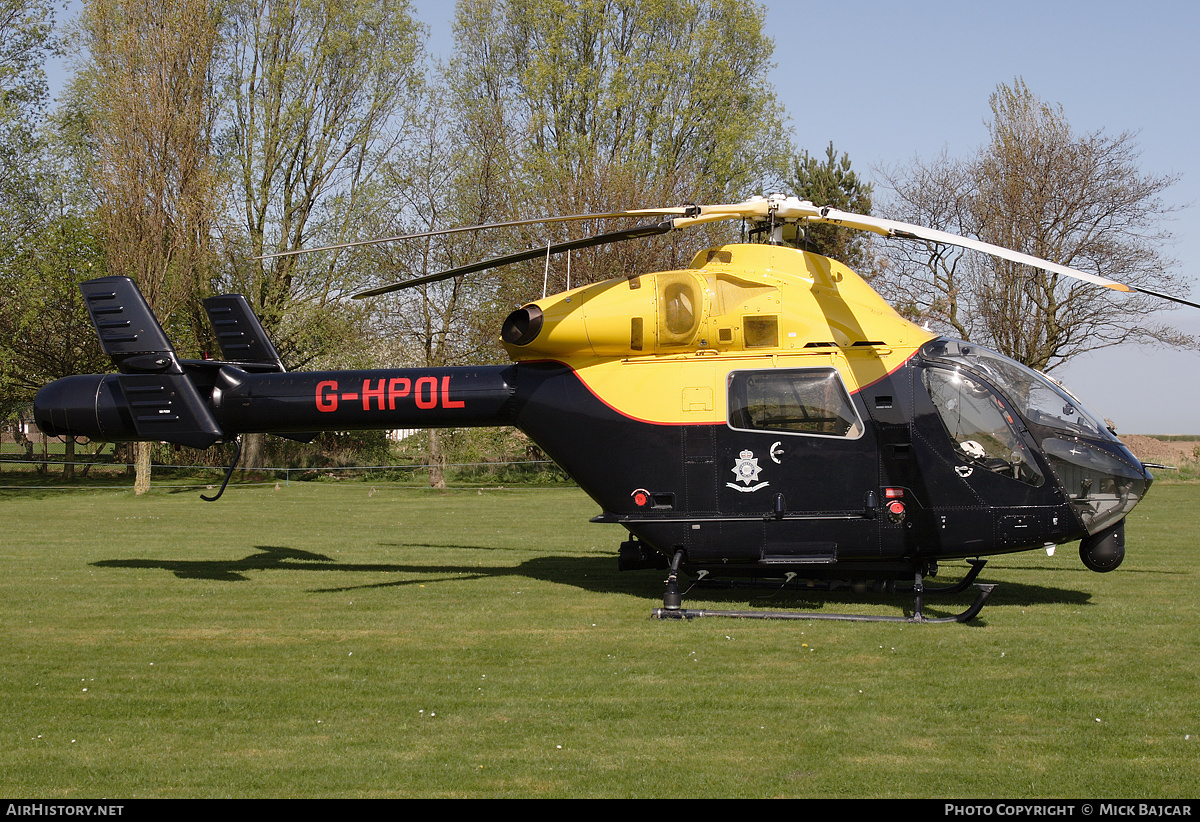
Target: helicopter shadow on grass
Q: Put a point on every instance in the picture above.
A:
(597, 574)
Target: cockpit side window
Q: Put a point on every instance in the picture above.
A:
(981, 425)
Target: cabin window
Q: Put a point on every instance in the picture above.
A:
(981, 425)
(810, 401)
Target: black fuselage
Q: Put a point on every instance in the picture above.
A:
(895, 492)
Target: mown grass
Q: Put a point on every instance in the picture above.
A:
(323, 640)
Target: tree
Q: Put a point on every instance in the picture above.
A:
(1038, 188)
(604, 105)
(314, 96)
(44, 247)
(832, 182)
(435, 181)
(45, 332)
(26, 28)
(26, 40)
(152, 116)
(315, 93)
(42, 311)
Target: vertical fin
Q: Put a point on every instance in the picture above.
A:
(243, 340)
(239, 333)
(162, 400)
(128, 330)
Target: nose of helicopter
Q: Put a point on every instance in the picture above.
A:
(1103, 480)
(1104, 483)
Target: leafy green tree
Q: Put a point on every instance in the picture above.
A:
(586, 106)
(315, 93)
(26, 39)
(45, 332)
(42, 312)
(832, 182)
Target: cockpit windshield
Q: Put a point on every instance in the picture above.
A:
(1100, 477)
(1036, 397)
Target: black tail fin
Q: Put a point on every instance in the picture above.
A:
(162, 400)
(244, 341)
(128, 330)
(239, 333)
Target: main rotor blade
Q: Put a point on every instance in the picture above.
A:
(459, 229)
(787, 209)
(775, 208)
(644, 230)
(891, 228)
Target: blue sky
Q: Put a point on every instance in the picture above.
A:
(887, 82)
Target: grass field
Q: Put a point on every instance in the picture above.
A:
(342, 640)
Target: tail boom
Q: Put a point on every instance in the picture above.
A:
(462, 397)
(167, 408)
(158, 397)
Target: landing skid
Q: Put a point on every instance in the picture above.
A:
(673, 601)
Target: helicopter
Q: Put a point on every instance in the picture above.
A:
(762, 416)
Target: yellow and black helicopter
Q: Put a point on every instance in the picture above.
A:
(762, 414)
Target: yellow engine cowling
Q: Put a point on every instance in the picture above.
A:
(740, 298)
(653, 313)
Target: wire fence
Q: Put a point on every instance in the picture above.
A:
(109, 473)
(29, 460)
